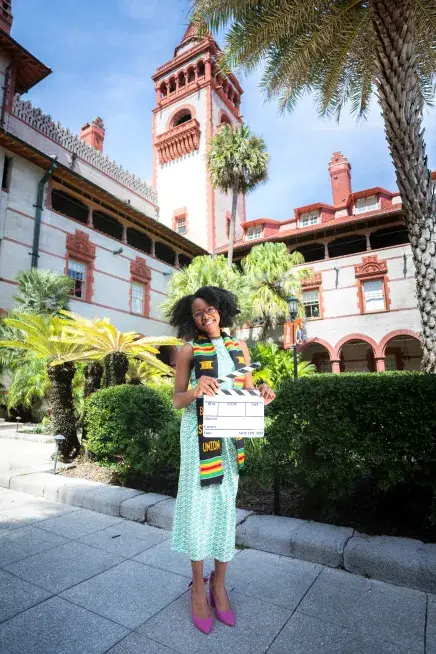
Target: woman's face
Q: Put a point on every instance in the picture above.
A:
(206, 317)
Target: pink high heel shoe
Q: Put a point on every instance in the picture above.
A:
(226, 617)
(203, 624)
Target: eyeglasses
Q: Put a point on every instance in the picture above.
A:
(198, 315)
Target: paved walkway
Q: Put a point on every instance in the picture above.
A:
(24, 455)
(74, 581)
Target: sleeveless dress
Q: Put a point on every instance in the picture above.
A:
(205, 518)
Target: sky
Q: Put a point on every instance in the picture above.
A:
(103, 53)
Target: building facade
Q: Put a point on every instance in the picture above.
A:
(66, 206)
(360, 300)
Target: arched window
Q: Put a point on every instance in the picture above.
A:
(181, 79)
(225, 120)
(224, 85)
(181, 117)
(191, 75)
(200, 69)
(172, 85)
(163, 90)
(230, 93)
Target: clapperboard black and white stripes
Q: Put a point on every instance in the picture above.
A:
(234, 375)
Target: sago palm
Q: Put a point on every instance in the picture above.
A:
(140, 372)
(271, 276)
(44, 292)
(45, 338)
(207, 271)
(341, 51)
(237, 162)
(99, 340)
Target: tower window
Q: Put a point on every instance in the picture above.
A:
(182, 117)
(7, 172)
(191, 75)
(200, 69)
(181, 225)
(172, 85)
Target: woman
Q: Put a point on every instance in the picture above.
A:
(205, 515)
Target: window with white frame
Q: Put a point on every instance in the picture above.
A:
(138, 298)
(309, 218)
(77, 272)
(370, 203)
(311, 303)
(254, 232)
(181, 225)
(373, 295)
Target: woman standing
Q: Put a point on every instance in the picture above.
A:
(205, 515)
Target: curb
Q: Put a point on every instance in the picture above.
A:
(398, 561)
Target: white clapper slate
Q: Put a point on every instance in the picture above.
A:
(234, 413)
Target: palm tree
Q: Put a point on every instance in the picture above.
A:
(277, 364)
(237, 162)
(44, 292)
(207, 271)
(99, 340)
(45, 338)
(341, 50)
(270, 275)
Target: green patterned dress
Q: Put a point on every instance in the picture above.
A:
(205, 518)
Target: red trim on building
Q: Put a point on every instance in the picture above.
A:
(80, 248)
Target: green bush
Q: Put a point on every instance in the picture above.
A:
(357, 435)
(134, 427)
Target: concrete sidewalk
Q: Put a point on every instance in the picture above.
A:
(74, 581)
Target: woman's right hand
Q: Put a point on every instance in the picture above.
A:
(205, 386)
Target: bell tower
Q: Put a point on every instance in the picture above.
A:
(192, 101)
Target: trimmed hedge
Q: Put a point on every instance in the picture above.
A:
(351, 436)
(134, 427)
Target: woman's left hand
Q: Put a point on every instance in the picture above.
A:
(267, 393)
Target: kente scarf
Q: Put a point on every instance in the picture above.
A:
(206, 363)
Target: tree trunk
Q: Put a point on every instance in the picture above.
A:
(266, 325)
(232, 226)
(93, 373)
(116, 365)
(63, 417)
(401, 103)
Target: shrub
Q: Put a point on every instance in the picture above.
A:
(345, 436)
(130, 426)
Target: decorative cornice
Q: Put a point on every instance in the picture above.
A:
(139, 270)
(78, 244)
(371, 266)
(44, 124)
(180, 140)
(206, 44)
(315, 279)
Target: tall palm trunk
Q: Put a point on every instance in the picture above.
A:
(116, 365)
(400, 99)
(63, 416)
(232, 225)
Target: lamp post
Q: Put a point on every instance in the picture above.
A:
(293, 310)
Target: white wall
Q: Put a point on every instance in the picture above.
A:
(112, 272)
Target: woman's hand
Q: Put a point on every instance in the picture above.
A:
(267, 393)
(206, 386)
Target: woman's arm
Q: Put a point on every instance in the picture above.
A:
(206, 385)
(265, 391)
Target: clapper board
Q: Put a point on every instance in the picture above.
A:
(234, 413)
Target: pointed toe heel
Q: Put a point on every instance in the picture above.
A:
(203, 624)
(226, 617)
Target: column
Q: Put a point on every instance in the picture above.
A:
(336, 366)
(368, 243)
(207, 70)
(152, 249)
(124, 235)
(176, 260)
(90, 222)
(326, 250)
(380, 364)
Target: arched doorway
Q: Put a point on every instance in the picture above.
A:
(402, 352)
(317, 353)
(357, 355)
